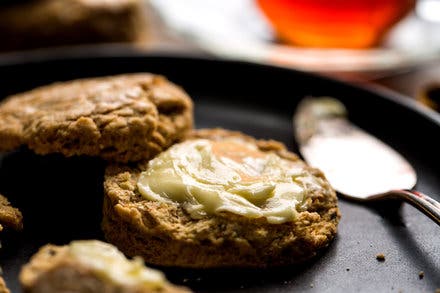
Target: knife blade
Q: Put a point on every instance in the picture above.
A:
(356, 164)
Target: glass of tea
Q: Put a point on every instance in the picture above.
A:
(334, 23)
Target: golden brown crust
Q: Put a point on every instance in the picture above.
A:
(165, 234)
(9, 216)
(44, 23)
(122, 118)
(53, 270)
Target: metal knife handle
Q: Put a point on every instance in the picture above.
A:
(422, 202)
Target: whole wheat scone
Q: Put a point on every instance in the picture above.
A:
(44, 23)
(121, 118)
(9, 216)
(53, 269)
(165, 234)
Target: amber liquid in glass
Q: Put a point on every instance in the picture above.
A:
(334, 23)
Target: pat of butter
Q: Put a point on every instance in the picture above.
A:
(110, 264)
(208, 177)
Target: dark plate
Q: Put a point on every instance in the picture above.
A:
(61, 198)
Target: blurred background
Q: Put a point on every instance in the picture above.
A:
(395, 43)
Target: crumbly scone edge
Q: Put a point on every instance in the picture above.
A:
(9, 216)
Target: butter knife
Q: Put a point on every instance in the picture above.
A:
(359, 166)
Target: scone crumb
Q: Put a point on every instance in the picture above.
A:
(421, 275)
(312, 285)
(10, 217)
(380, 257)
(437, 290)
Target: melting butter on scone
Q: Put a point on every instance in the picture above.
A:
(208, 177)
(220, 199)
(90, 266)
(110, 264)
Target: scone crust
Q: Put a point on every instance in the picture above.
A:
(120, 118)
(164, 234)
(51, 269)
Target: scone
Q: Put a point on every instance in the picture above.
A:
(89, 266)
(121, 118)
(9, 216)
(220, 199)
(44, 23)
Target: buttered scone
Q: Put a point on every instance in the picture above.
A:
(220, 199)
(90, 266)
(120, 118)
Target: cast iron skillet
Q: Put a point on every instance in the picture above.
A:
(61, 198)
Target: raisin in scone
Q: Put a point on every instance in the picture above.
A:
(120, 118)
(89, 266)
(220, 199)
